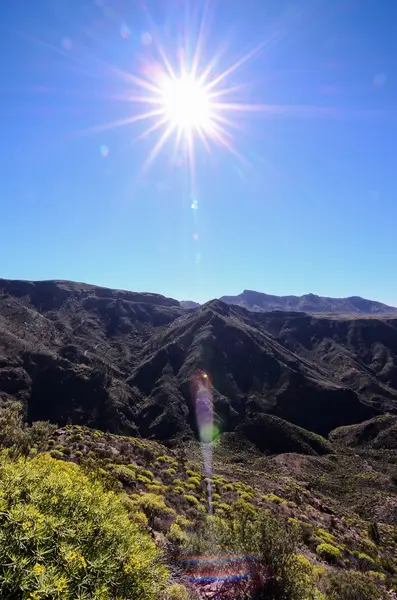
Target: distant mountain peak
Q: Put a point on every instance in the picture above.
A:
(309, 303)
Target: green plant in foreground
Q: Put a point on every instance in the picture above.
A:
(277, 572)
(62, 536)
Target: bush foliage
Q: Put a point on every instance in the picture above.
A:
(86, 531)
(63, 536)
(353, 586)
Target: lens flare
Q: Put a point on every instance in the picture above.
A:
(203, 398)
(223, 576)
(202, 394)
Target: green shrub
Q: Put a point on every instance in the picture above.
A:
(164, 459)
(388, 565)
(178, 482)
(140, 518)
(195, 481)
(182, 521)
(39, 434)
(377, 576)
(247, 496)
(177, 591)
(329, 552)
(57, 454)
(12, 431)
(177, 536)
(324, 535)
(274, 498)
(191, 473)
(123, 474)
(277, 573)
(147, 473)
(191, 486)
(365, 561)
(191, 499)
(228, 487)
(63, 536)
(221, 506)
(154, 506)
(143, 479)
(155, 488)
(345, 585)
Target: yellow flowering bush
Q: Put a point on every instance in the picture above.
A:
(63, 536)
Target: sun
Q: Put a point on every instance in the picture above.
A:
(187, 100)
(186, 103)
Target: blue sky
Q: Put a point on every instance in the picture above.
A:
(310, 206)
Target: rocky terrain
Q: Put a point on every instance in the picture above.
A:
(123, 362)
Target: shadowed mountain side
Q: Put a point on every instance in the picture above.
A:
(272, 435)
(358, 353)
(124, 362)
(379, 433)
(250, 372)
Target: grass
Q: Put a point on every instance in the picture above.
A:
(321, 498)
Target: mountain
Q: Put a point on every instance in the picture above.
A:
(100, 363)
(310, 303)
(124, 362)
(189, 304)
(376, 433)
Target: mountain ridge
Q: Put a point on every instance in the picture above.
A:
(309, 303)
(249, 299)
(124, 362)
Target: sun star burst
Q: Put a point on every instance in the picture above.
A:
(188, 103)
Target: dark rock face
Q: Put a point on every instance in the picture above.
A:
(125, 362)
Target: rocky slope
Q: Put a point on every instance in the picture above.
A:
(124, 362)
(378, 433)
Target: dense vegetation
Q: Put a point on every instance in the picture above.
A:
(62, 535)
(86, 514)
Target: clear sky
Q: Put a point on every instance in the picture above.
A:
(302, 197)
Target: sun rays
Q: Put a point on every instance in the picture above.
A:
(185, 103)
